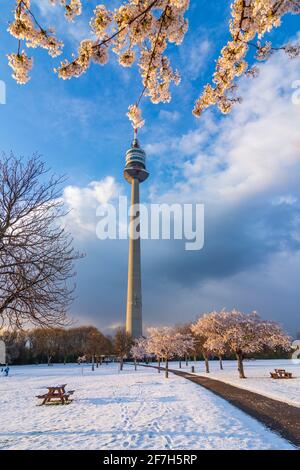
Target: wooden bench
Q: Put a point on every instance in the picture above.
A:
(56, 394)
(281, 374)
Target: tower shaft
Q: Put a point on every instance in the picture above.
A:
(134, 289)
(135, 172)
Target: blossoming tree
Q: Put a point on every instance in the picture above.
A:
(242, 334)
(201, 342)
(185, 344)
(140, 31)
(210, 341)
(167, 343)
(185, 330)
(138, 350)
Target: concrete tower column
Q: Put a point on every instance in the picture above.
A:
(134, 289)
(135, 172)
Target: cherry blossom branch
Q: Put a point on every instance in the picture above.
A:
(33, 16)
(249, 19)
(162, 19)
(128, 24)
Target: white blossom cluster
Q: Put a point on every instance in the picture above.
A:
(21, 65)
(26, 27)
(135, 116)
(250, 19)
(73, 8)
(139, 31)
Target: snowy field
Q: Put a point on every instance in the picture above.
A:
(130, 410)
(258, 377)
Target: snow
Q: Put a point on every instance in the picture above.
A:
(258, 377)
(128, 410)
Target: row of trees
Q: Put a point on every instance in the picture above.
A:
(224, 333)
(57, 344)
(215, 334)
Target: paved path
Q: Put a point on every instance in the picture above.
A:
(276, 415)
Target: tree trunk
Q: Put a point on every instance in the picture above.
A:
(206, 364)
(93, 363)
(158, 365)
(239, 356)
(180, 364)
(49, 360)
(97, 362)
(121, 363)
(186, 361)
(167, 369)
(221, 362)
(65, 360)
(135, 365)
(195, 359)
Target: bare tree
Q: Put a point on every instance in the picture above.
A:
(65, 343)
(45, 341)
(95, 344)
(122, 345)
(36, 253)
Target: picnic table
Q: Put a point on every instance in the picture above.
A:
(281, 374)
(56, 394)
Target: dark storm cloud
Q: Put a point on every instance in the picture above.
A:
(244, 239)
(237, 240)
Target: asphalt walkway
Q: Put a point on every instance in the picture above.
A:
(276, 415)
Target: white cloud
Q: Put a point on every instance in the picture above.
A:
(254, 150)
(195, 54)
(82, 203)
(171, 116)
(287, 199)
(156, 148)
(46, 8)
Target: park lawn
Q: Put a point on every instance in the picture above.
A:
(128, 410)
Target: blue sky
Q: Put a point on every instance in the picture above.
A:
(244, 167)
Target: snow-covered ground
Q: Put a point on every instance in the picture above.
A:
(130, 410)
(258, 377)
